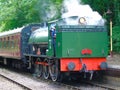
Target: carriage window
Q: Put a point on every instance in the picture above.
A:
(0, 42)
(12, 42)
(8, 42)
(12, 37)
(4, 43)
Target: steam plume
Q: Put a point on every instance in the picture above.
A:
(75, 8)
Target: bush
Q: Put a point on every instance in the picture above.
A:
(116, 39)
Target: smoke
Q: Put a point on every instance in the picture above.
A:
(75, 8)
(52, 12)
(47, 10)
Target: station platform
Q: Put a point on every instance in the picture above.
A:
(114, 66)
(114, 61)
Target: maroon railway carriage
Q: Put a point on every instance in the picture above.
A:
(10, 43)
(14, 43)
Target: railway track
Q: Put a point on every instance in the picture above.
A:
(71, 87)
(106, 87)
(77, 85)
(58, 85)
(85, 85)
(19, 84)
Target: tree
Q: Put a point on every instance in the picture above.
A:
(117, 12)
(16, 13)
(49, 9)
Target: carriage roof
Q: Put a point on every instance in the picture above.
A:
(10, 32)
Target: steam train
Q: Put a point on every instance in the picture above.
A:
(78, 48)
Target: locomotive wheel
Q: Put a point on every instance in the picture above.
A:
(46, 70)
(38, 69)
(54, 71)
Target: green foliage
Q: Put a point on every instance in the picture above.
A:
(49, 9)
(117, 11)
(16, 13)
(116, 39)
